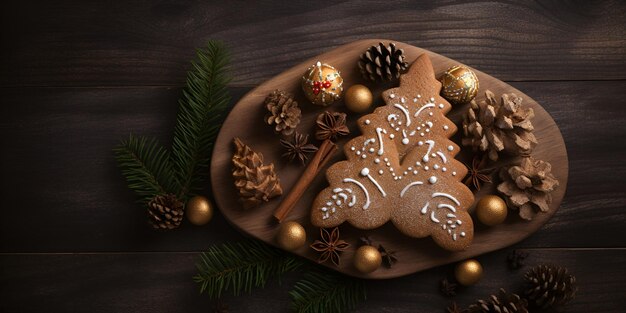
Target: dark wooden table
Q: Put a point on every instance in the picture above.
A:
(77, 76)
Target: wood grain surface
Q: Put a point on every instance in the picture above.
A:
(78, 76)
(245, 122)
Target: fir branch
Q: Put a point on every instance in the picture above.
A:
(199, 118)
(322, 291)
(240, 266)
(145, 165)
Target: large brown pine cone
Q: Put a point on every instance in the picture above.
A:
(528, 187)
(257, 182)
(550, 286)
(493, 127)
(502, 302)
(382, 62)
(165, 211)
(283, 112)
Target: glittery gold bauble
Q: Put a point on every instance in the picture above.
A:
(199, 210)
(322, 84)
(491, 210)
(291, 236)
(460, 84)
(367, 259)
(468, 272)
(358, 98)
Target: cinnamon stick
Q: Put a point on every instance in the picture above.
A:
(319, 160)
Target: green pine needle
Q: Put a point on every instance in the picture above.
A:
(323, 291)
(199, 118)
(240, 267)
(145, 165)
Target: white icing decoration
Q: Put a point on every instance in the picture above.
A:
(365, 171)
(430, 124)
(364, 155)
(406, 113)
(353, 201)
(453, 173)
(352, 148)
(445, 127)
(414, 99)
(337, 190)
(405, 141)
(442, 156)
(324, 209)
(415, 172)
(430, 113)
(377, 160)
(380, 188)
(392, 96)
(426, 168)
(441, 194)
(450, 215)
(432, 179)
(367, 122)
(446, 206)
(450, 148)
(459, 222)
(338, 202)
(429, 105)
(425, 208)
(454, 236)
(379, 130)
(444, 169)
(329, 203)
(432, 99)
(391, 136)
(430, 146)
(391, 117)
(441, 105)
(406, 188)
(436, 166)
(462, 234)
(433, 218)
(358, 152)
(380, 172)
(403, 101)
(367, 195)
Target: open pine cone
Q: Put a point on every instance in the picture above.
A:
(502, 302)
(165, 211)
(284, 112)
(382, 62)
(491, 126)
(256, 182)
(527, 187)
(550, 286)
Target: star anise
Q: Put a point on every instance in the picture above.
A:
(331, 125)
(447, 288)
(454, 308)
(329, 246)
(389, 256)
(516, 259)
(476, 174)
(298, 147)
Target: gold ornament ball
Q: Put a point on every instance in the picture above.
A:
(322, 84)
(199, 210)
(459, 84)
(291, 236)
(468, 272)
(358, 98)
(491, 210)
(367, 259)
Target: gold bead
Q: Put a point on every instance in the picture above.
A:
(367, 259)
(459, 84)
(358, 98)
(491, 210)
(322, 84)
(199, 210)
(291, 236)
(468, 272)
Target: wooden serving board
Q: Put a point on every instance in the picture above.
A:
(246, 122)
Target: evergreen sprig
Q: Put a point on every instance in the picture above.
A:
(237, 267)
(322, 291)
(146, 167)
(150, 169)
(199, 116)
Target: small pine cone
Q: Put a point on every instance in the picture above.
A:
(165, 211)
(528, 187)
(550, 286)
(284, 112)
(382, 62)
(257, 182)
(503, 302)
(493, 127)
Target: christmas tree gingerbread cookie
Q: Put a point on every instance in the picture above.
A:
(402, 168)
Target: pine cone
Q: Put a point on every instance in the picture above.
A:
(550, 286)
(256, 182)
(527, 187)
(165, 211)
(382, 62)
(494, 127)
(283, 112)
(503, 302)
